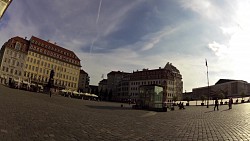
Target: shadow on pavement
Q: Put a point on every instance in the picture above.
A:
(109, 107)
(225, 110)
(209, 111)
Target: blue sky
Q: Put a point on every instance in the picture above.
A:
(129, 35)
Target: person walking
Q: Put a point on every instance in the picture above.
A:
(50, 92)
(230, 103)
(216, 104)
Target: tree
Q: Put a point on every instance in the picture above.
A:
(175, 98)
(187, 99)
(221, 96)
(203, 97)
(101, 94)
(105, 95)
(242, 95)
(110, 94)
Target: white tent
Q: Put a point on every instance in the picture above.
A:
(93, 95)
(87, 94)
(64, 91)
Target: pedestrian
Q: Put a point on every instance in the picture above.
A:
(231, 103)
(216, 104)
(50, 92)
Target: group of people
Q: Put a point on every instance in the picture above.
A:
(181, 105)
(230, 103)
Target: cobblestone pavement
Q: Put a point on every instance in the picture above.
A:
(35, 116)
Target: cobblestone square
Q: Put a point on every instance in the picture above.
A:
(35, 116)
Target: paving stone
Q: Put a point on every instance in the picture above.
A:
(35, 116)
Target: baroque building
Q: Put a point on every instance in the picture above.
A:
(168, 77)
(12, 59)
(125, 86)
(36, 59)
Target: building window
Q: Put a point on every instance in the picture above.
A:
(33, 68)
(17, 46)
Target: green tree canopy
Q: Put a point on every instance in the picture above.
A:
(203, 97)
(242, 95)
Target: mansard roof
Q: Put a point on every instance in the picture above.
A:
(51, 49)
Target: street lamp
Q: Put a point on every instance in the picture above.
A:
(207, 85)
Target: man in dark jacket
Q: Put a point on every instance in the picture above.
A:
(216, 104)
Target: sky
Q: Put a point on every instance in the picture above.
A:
(128, 35)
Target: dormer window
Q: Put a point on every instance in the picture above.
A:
(18, 46)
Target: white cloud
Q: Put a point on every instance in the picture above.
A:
(151, 40)
(218, 49)
(216, 12)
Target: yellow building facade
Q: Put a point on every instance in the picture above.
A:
(43, 56)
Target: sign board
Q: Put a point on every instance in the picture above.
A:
(3, 6)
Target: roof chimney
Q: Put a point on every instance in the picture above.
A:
(55, 43)
(25, 38)
(48, 40)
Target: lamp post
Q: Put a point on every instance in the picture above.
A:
(207, 85)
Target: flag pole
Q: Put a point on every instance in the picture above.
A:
(207, 85)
